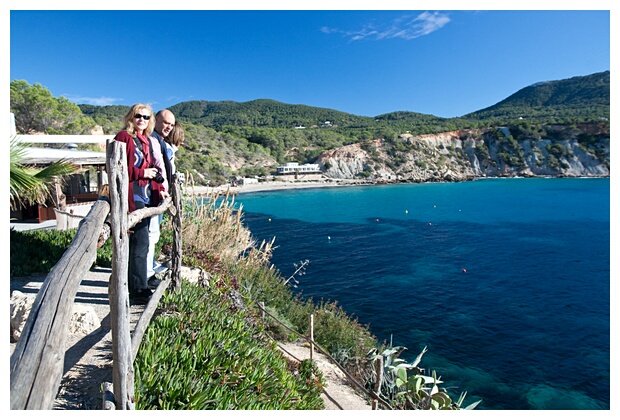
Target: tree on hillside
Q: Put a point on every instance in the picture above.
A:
(36, 110)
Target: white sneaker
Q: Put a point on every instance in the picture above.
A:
(159, 268)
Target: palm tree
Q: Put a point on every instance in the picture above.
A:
(31, 185)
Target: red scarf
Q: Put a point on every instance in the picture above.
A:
(146, 153)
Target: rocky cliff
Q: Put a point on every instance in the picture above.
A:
(470, 154)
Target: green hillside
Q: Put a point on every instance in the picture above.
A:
(264, 113)
(576, 100)
(585, 99)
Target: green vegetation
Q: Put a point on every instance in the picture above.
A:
(109, 117)
(406, 387)
(578, 99)
(32, 185)
(203, 353)
(38, 251)
(264, 113)
(36, 110)
(557, 150)
(274, 137)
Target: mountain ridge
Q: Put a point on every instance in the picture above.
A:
(579, 96)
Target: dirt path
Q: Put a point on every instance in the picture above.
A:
(88, 359)
(338, 394)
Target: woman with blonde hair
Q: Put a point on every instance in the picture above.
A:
(142, 192)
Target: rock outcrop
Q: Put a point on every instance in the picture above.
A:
(21, 304)
(466, 155)
(84, 319)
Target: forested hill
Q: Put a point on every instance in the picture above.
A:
(577, 97)
(264, 113)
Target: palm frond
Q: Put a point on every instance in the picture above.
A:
(29, 185)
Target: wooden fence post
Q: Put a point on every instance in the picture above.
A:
(122, 369)
(311, 336)
(177, 243)
(379, 381)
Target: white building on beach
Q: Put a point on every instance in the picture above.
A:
(292, 168)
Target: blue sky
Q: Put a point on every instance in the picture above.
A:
(365, 62)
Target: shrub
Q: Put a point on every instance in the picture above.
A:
(557, 150)
(405, 385)
(204, 353)
(251, 270)
(38, 251)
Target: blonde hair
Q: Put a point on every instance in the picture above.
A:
(130, 127)
(177, 135)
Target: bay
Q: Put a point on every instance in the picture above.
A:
(505, 281)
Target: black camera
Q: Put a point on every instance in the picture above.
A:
(158, 178)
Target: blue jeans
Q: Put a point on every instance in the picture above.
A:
(153, 238)
(138, 249)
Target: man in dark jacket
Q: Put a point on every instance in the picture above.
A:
(164, 124)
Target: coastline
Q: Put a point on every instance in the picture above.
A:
(274, 186)
(329, 183)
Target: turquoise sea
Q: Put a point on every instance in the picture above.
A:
(506, 281)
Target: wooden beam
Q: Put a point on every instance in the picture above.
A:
(62, 138)
(37, 361)
(122, 367)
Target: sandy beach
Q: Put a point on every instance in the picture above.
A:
(274, 186)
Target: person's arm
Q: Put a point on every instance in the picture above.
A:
(158, 160)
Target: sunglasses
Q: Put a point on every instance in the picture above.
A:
(146, 117)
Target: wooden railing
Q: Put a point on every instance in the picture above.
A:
(37, 361)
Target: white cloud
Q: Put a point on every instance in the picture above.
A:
(405, 27)
(102, 101)
(427, 23)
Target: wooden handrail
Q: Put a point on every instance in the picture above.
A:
(37, 361)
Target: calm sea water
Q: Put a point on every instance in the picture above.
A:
(507, 282)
